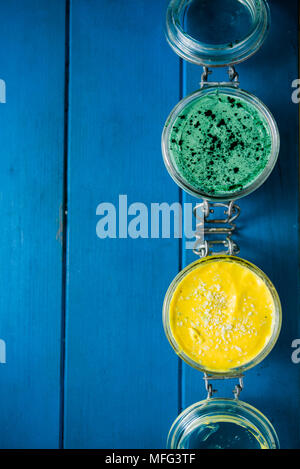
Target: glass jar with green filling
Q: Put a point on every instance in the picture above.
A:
(220, 143)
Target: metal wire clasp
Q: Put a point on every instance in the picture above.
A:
(232, 75)
(206, 224)
(210, 390)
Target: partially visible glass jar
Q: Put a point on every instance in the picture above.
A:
(276, 324)
(230, 30)
(229, 92)
(222, 424)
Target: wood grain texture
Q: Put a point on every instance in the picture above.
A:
(268, 226)
(121, 375)
(31, 166)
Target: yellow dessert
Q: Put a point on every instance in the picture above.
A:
(222, 314)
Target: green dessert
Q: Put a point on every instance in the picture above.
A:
(220, 143)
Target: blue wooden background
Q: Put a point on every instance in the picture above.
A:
(89, 84)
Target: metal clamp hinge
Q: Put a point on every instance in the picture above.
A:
(232, 75)
(211, 391)
(209, 226)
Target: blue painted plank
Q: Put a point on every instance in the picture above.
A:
(268, 226)
(121, 374)
(31, 165)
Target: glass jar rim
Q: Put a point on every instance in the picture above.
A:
(231, 91)
(216, 55)
(268, 346)
(222, 410)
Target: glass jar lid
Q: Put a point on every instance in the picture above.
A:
(222, 424)
(216, 32)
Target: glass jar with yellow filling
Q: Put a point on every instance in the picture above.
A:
(222, 315)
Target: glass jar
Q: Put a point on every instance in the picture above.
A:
(215, 34)
(230, 91)
(222, 424)
(275, 327)
(218, 38)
